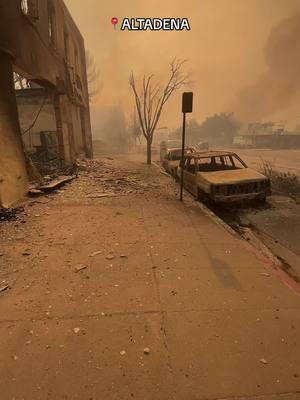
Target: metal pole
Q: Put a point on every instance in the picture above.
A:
(182, 157)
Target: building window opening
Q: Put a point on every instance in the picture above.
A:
(25, 6)
(76, 62)
(51, 25)
(20, 82)
(66, 45)
(30, 8)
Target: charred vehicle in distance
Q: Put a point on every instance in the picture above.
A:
(203, 146)
(168, 145)
(222, 177)
(172, 159)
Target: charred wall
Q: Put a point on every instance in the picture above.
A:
(39, 40)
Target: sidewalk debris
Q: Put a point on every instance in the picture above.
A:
(56, 183)
(146, 351)
(10, 214)
(76, 330)
(263, 361)
(80, 267)
(96, 253)
(35, 192)
(123, 353)
(4, 288)
(100, 195)
(110, 257)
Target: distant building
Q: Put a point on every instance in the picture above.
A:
(243, 140)
(265, 136)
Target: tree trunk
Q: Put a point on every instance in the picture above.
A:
(149, 151)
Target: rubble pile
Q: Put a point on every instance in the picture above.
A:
(52, 170)
(10, 214)
(111, 180)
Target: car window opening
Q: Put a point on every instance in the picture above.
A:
(219, 163)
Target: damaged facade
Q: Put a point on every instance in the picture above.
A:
(40, 41)
(265, 135)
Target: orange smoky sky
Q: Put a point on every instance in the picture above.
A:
(225, 48)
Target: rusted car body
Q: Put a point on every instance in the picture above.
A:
(203, 146)
(168, 145)
(223, 177)
(172, 159)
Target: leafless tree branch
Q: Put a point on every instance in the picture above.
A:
(93, 76)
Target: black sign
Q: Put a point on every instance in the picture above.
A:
(187, 102)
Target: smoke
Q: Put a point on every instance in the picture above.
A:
(225, 49)
(112, 127)
(277, 91)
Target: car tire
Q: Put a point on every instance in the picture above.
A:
(262, 201)
(201, 195)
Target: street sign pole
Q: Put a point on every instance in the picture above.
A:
(182, 156)
(187, 107)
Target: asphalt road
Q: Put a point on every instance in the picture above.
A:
(280, 160)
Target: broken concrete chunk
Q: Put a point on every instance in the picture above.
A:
(263, 361)
(100, 195)
(96, 253)
(35, 192)
(80, 267)
(110, 257)
(146, 350)
(76, 330)
(4, 288)
(56, 183)
(123, 352)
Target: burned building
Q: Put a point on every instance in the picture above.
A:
(40, 41)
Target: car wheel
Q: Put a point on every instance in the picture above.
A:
(262, 201)
(201, 195)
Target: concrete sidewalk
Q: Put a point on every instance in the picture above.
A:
(218, 322)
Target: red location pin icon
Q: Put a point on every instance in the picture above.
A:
(114, 21)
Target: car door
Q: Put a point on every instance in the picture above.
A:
(165, 161)
(189, 175)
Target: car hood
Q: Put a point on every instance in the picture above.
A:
(232, 176)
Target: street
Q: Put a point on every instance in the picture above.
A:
(277, 224)
(113, 289)
(282, 160)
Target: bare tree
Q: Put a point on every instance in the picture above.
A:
(93, 76)
(152, 98)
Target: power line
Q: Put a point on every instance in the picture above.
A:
(37, 116)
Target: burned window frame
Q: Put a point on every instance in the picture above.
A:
(30, 8)
(67, 46)
(52, 31)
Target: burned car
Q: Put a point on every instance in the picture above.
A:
(203, 146)
(222, 177)
(172, 159)
(168, 145)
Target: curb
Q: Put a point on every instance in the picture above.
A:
(203, 208)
